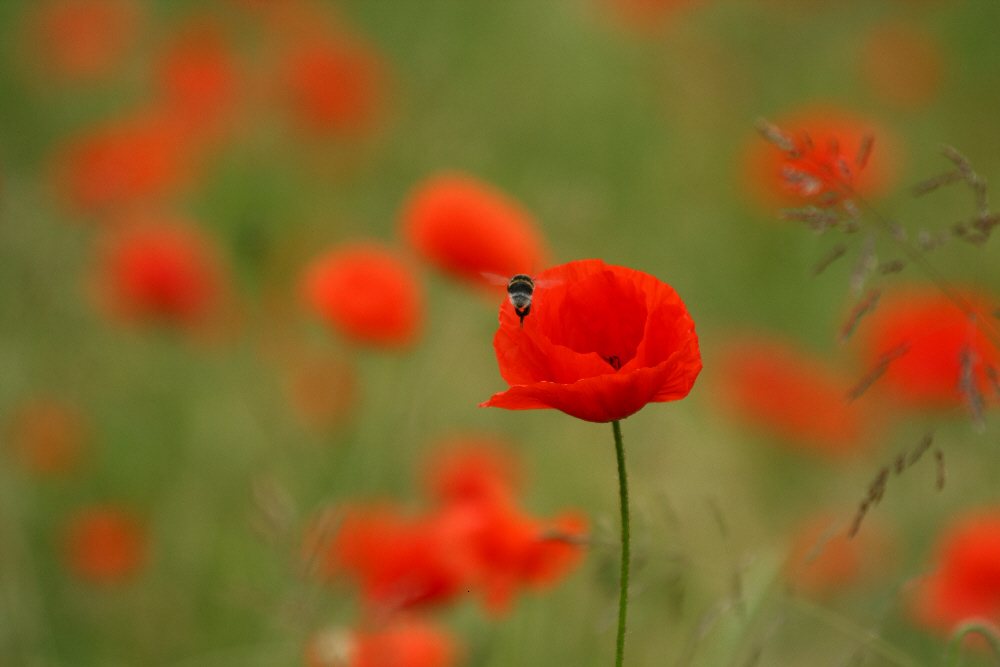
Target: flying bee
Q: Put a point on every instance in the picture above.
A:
(520, 289)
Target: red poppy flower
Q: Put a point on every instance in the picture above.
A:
(936, 334)
(827, 143)
(781, 390)
(104, 544)
(400, 562)
(48, 436)
(466, 227)
(132, 161)
(335, 86)
(601, 342)
(161, 272)
(967, 582)
(403, 644)
(472, 469)
(199, 79)
(84, 39)
(902, 65)
(367, 292)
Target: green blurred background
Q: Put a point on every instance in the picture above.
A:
(625, 142)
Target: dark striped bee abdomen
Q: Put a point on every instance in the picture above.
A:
(519, 289)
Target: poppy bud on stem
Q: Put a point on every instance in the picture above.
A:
(623, 493)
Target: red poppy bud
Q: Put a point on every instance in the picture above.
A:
(601, 342)
(466, 227)
(104, 544)
(366, 292)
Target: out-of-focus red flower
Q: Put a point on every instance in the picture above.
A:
(600, 343)
(822, 160)
(104, 544)
(335, 86)
(902, 64)
(366, 292)
(135, 160)
(824, 560)
(400, 562)
(966, 584)
(48, 435)
(322, 388)
(935, 333)
(403, 644)
(161, 272)
(783, 391)
(473, 468)
(466, 227)
(83, 39)
(646, 14)
(199, 80)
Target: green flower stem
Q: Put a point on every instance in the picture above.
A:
(980, 627)
(623, 493)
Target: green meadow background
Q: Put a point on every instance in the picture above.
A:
(626, 145)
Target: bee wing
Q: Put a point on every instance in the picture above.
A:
(494, 279)
(547, 282)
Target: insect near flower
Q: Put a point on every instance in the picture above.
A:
(520, 290)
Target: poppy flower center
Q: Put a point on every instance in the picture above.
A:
(600, 314)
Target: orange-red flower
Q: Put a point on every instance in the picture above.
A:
(161, 272)
(83, 39)
(131, 161)
(935, 334)
(823, 161)
(466, 227)
(781, 390)
(335, 86)
(601, 342)
(966, 584)
(48, 435)
(404, 644)
(366, 292)
(104, 544)
(199, 80)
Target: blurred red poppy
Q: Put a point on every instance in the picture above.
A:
(779, 389)
(366, 292)
(335, 86)
(936, 335)
(400, 562)
(104, 544)
(466, 227)
(199, 80)
(83, 39)
(647, 14)
(135, 160)
(966, 584)
(407, 643)
(161, 272)
(601, 342)
(48, 435)
(903, 65)
(824, 560)
(472, 468)
(822, 161)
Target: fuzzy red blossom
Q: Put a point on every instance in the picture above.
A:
(403, 644)
(161, 272)
(824, 559)
(367, 292)
(124, 163)
(942, 346)
(400, 562)
(199, 80)
(467, 227)
(472, 469)
(48, 435)
(335, 86)
(783, 391)
(104, 544)
(83, 39)
(825, 159)
(966, 584)
(600, 343)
